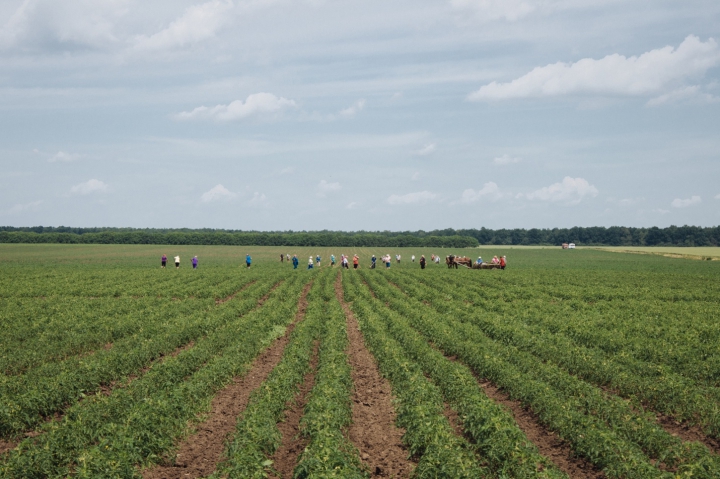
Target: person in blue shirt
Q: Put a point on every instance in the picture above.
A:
(317, 260)
(332, 260)
(295, 261)
(248, 260)
(373, 260)
(479, 260)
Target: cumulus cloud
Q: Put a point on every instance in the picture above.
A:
(197, 23)
(217, 193)
(19, 208)
(353, 109)
(90, 186)
(255, 104)
(680, 203)
(324, 188)
(62, 156)
(258, 199)
(428, 149)
(489, 191)
(570, 190)
(653, 72)
(689, 94)
(505, 160)
(419, 197)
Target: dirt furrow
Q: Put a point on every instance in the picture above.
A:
(228, 298)
(293, 443)
(687, 432)
(548, 443)
(373, 430)
(199, 454)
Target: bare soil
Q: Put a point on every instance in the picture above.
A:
(687, 432)
(228, 298)
(293, 443)
(547, 442)
(6, 446)
(373, 430)
(199, 454)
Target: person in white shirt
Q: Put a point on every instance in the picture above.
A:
(177, 261)
(413, 258)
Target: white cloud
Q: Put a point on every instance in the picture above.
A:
(324, 188)
(506, 160)
(90, 186)
(217, 193)
(686, 94)
(198, 23)
(419, 197)
(680, 203)
(62, 156)
(652, 72)
(489, 191)
(415, 176)
(258, 199)
(353, 109)
(428, 149)
(570, 190)
(352, 205)
(19, 208)
(717, 197)
(257, 103)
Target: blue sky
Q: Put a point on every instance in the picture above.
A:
(304, 115)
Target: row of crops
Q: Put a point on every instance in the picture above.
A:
(105, 373)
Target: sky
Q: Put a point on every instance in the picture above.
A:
(372, 115)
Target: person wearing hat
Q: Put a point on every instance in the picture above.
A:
(479, 260)
(194, 262)
(503, 262)
(356, 262)
(248, 260)
(295, 261)
(310, 263)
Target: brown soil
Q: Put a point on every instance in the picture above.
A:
(262, 300)
(454, 419)
(293, 443)
(549, 444)
(6, 446)
(228, 298)
(199, 454)
(687, 432)
(373, 429)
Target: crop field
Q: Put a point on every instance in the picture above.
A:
(579, 364)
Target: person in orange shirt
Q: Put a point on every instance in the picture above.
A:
(356, 261)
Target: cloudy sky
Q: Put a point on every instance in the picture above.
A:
(314, 114)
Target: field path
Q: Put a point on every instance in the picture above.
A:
(199, 454)
(373, 430)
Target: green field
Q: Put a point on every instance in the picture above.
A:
(109, 363)
(696, 252)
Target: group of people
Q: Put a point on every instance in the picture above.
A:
(163, 261)
(502, 261)
(345, 260)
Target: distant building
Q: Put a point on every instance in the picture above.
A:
(571, 246)
(565, 246)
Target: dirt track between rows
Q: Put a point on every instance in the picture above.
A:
(373, 430)
(199, 454)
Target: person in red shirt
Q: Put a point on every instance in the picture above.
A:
(503, 263)
(356, 261)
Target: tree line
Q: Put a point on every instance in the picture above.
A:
(450, 238)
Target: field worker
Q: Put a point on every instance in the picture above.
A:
(317, 258)
(345, 262)
(503, 262)
(282, 257)
(479, 260)
(295, 261)
(422, 261)
(413, 258)
(332, 260)
(287, 256)
(248, 260)
(397, 257)
(177, 262)
(356, 261)
(387, 261)
(163, 261)
(437, 259)
(194, 262)
(372, 262)
(495, 260)
(310, 263)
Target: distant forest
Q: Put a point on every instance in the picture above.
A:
(451, 238)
